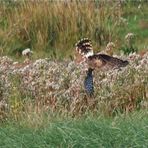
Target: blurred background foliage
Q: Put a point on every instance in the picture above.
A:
(51, 28)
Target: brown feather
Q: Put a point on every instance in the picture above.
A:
(105, 61)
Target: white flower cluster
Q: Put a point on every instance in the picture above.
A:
(122, 21)
(129, 36)
(27, 51)
(110, 45)
(45, 80)
(109, 48)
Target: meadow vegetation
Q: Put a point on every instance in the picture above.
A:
(52, 28)
(93, 132)
(43, 102)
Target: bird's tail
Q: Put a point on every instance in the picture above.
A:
(84, 46)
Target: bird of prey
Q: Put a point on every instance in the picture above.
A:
(85, 53)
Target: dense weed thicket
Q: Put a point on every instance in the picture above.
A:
(54, 26)
(57, 86)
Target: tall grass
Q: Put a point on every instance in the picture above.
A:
(54, 26)
(129, 131)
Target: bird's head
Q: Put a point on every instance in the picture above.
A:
(83, 49)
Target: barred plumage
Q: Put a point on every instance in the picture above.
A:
(85, 49)
(88, 82)
(84, 46)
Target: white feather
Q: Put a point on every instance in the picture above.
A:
(90, 53)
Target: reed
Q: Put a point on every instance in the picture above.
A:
(53, 27)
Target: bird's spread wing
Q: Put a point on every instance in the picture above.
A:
(105, 61)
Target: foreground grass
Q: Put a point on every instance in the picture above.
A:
(121, 131)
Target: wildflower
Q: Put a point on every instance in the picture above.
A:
(144, 62)
(109, 48)
(139, 6)
(15, 63)
(129, 36)
(122, 21)
(110, 45)
(27, 52)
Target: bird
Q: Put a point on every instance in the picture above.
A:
(85, 53)
(95, 61)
